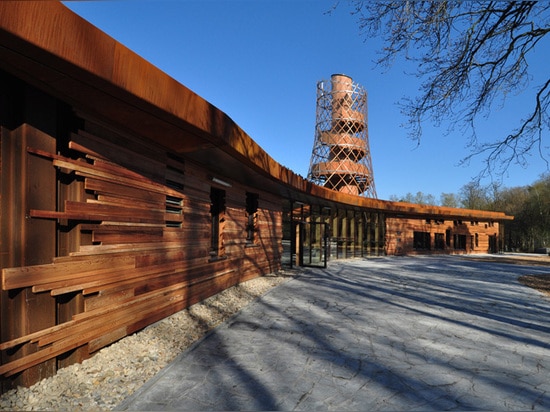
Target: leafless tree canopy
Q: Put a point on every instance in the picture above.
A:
(471, 55)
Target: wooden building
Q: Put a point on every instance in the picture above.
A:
(126, 197)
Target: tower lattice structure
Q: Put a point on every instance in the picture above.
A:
(340, 159)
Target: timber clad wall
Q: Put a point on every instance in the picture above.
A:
(420, 236)
(131, 244)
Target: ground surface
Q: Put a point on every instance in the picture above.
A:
(103, 381)
(539, 282)
(383, 333)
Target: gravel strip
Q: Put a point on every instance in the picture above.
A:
(116, 371)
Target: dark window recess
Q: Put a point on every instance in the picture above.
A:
(175, 175)
(217, 213)
(174, 185)
(439, 241)
(174, 201)
(448, 237)
(173, 211)
(174, 205)
(460, 242)
(421, 240)
(252, 216)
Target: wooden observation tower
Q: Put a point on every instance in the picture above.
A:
(340, 159)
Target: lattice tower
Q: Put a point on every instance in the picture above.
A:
(340, 159)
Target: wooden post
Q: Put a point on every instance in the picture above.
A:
(360, 233)
(28, 182)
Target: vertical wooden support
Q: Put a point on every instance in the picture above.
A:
(368, 229)
(376, 223)
(28, 182)
(360, 233)
(317, 236)
(326, 218)
(353, 233)
(69, 239)
(500, 246)
(344, 233)
(334, 234)
(297, 217)
(382, 222)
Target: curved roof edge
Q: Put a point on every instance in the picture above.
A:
(56, 50)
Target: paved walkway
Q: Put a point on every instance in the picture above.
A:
(410, 333)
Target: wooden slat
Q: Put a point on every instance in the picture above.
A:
(95, 344)
(72, 280)
(113, 213)
(129, 309)
(103, 172)
(68, 342)
(184, 269)
(173, 217)
(118, 170)
(126, 181)
(127, 140)
(125, 248)
(107, 297)
(118, 314)
(181, 255)
(127, 236)
(126, 202)
(27, 276)
(92, 284)
(116, 201)
(99, 212)
(31, 336)
(89, 144)
(78, 281)
(109, 188)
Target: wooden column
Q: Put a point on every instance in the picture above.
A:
(360, 233)
(368, 229)
(28, 182)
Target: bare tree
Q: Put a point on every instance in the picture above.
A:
(449, 200)
(474, 196)
(471, 55)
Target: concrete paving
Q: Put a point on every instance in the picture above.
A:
(389, 333)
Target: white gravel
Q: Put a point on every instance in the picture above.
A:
(116, 371)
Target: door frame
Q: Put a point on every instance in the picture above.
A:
(306, 243)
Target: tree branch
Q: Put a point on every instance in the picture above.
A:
(469, 54)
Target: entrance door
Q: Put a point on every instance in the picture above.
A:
(312, 244)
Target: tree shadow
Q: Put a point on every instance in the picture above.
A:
(375, 334)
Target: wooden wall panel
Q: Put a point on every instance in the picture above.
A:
(400, 235)
(134, 245)
(27, 181)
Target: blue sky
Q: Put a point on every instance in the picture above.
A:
(259, 62)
